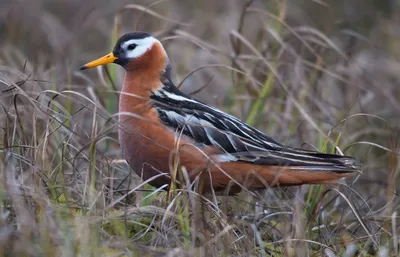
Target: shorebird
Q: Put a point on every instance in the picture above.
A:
(158, 122)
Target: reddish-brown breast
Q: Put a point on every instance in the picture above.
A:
(147, 144)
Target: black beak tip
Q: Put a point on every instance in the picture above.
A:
(83, 67)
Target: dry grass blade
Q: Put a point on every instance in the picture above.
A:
(152, 13)
(277, 76)
(355, 212)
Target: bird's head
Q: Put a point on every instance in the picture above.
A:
(134, 51)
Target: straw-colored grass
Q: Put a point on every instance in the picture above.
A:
(307, 74)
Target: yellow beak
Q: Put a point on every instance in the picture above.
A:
(109, 58)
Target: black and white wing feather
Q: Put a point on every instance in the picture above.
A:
(237, 140)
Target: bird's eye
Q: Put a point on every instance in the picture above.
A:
(132, 46)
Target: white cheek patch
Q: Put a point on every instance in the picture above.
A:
(143, 45)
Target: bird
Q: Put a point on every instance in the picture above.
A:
(160, 128)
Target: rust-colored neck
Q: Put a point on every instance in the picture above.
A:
(142, 77)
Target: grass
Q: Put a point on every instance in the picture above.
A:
(65, 189)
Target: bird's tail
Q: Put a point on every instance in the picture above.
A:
(287, 168)
(314, 168)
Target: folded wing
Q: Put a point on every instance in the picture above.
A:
(237, 140)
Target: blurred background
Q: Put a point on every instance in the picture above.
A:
(314, 74)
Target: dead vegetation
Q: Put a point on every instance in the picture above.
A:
(319, 74)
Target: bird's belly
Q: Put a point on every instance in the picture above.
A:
(150, 148)
(144, 156)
